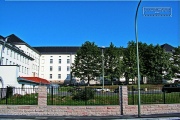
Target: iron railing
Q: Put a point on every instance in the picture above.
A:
(80, 96)
(152, 96)
(18, 96)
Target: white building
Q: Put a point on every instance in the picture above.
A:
(15, 52)
(50, 63)
(56, 62)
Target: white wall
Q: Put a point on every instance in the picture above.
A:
(45, 66)
(9, 76)
(34, 64)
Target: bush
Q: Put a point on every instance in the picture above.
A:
(83, 94)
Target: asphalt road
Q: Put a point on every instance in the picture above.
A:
(173, 116)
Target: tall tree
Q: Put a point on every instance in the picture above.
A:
(130, 61)
(157, 63)
(87, 62)
(176, 62)
(111, 58)
(119, 70)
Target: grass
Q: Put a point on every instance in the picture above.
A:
(98, 100)
(169, 98)
(28, 99)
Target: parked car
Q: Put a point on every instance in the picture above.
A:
(168, 88)
(102, 90)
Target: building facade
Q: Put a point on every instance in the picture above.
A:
(56, 62)
(50, 63)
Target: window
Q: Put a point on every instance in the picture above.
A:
(51, 61)
(42, 61)
(59, 76)
(2, 60)
(59, 61)
(42, 68)
(14, 55)
(68, 76)
(19, 68)
(68, 68)
(7, 51)
(59, 68)
(68, 61)
(50, 76)
(22, 69)
(11, 53)
(27, 71)
(6, 61)
(10, 62)
(42, 75)
(51, 68)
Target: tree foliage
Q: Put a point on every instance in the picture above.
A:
(176, 62)
(130, 61)
(87, 62)
(112, 60)
(155, 63)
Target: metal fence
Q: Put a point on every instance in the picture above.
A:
(80, 96)
(18, 96)
(152, 96)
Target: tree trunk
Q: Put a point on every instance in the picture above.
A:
(88, 80)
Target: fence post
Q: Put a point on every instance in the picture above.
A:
(7, 95)
(121, 99)
(85, 96)
(123, 95)
(164, 96)
(42, 96)
(52, 95)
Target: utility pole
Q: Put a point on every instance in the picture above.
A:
(137, 52)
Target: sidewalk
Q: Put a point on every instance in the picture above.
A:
(175, 116)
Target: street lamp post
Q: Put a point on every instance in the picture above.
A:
(103, 67)
(136, 34)
(3, 49)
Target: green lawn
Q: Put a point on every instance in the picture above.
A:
(98, 100)
(169, 98)
(29, 99)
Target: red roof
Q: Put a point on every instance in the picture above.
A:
(37, 80)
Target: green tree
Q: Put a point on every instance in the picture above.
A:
(87, 62)
(130, 61)
(158, 61)
(119, 70)
(112, 62)
(176, 62)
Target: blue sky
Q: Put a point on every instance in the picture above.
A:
(60, 23)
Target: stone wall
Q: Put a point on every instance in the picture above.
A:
(106, 110)
(145, 109)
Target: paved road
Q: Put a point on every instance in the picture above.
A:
(175, 116)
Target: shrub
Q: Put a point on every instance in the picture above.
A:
(83, 94)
